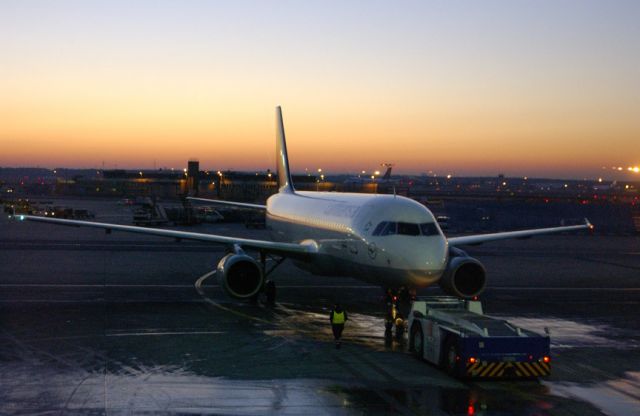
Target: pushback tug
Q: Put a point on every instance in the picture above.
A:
(456, 335)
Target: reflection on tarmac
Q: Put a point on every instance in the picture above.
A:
(363, 329)
(104, 326)
(614, 397)
(194, 358)
(566, 333)
(436, 394)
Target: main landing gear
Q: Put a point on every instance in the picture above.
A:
(269, 287)
(270, 292)
(398, 305)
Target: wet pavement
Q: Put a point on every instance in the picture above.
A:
(117, 324)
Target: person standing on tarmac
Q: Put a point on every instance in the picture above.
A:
(337, 318)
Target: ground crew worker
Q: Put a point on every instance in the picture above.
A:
(337, 318)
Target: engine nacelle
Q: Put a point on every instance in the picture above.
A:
(241, 275)
(465, 277)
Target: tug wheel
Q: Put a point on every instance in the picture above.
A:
(450, 357)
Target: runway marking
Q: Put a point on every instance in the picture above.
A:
(198, 285)
(142, 334)
(395, 406)
(564, 289)
(93, 301)
(86, 285)
(73, 392)
(609, 263)
(179, 286)
(279, 306)
(34, 351)
(376, 367)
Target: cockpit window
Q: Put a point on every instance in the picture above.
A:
(429, 228)
(379, 228)
(385, 228)
(389, 229)
(405, 228)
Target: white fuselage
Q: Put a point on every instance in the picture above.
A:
(351, 237)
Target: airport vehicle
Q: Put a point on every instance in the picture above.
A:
(455, 335)
(148, 212)
(387, 240)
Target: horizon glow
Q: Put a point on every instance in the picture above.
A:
(531, 88)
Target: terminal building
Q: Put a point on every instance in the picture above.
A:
(176, 184)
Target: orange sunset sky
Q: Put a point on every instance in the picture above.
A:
(537, 88)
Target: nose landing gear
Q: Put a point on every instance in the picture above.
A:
(398, 304)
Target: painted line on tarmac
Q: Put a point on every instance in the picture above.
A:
(377, 368)
(608, 263)
(395, 406)
(564, 289)
(142, 334)
(93, 301)
(279, 306)
(200, 290)
(179, 286)
(87, 285)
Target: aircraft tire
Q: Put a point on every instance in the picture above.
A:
(416, 341)
(270, 292)
(399, 333)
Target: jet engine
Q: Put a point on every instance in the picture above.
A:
(464, 277)
(241, 275)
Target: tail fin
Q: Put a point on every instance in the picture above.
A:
(387, 174)
(282, 160)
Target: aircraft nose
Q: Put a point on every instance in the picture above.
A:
(434, 261)
(426, 259)
(431, 254)
(422, 259)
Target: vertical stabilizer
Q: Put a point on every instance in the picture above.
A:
(387, 174)
(282, 160)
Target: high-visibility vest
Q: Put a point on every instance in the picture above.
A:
(338, 317)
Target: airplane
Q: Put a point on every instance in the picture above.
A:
(387, 240)
(361, 179)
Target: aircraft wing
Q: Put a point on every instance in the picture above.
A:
(229, 203)
(285, 249)
(482, 238)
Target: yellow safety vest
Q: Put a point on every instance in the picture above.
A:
(338, 318)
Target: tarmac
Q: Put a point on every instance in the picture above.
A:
(92, 323)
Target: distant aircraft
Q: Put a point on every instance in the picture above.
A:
(387, 174)
(362, 179)
(386, 240)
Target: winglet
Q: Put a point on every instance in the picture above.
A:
(590, 226)
(282, 160)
